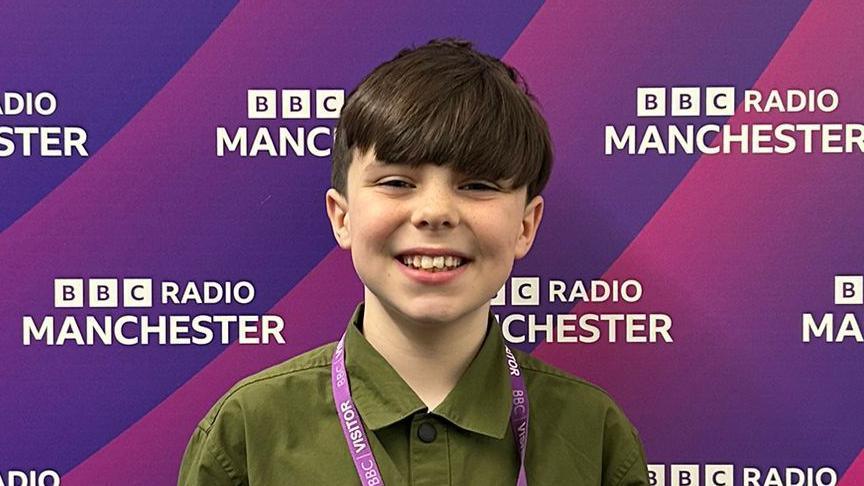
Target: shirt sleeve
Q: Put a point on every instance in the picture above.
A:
(623, 454)
(202, 465)
(637, 473)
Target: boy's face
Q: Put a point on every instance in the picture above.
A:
(394, 211)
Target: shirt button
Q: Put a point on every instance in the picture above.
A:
(426, 432)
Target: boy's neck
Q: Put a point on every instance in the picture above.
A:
(430, 358)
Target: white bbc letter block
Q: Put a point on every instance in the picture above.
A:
(650, 102)
(525, 291)
(500, 298)
(261, 104)
(137, 292)
(720, 100)
(102, 292)
(296, 104)
(328, 103)
(684, 475)
(849, 289)
(656, 474)
(719, 474)
(685, 101)
(69, 293)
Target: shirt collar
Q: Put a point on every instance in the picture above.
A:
(382, 397)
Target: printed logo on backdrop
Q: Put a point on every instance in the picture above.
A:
(729, 475)
(26, 130)
(833, 327)
(112, 311)
(587, 328)
(283, 123)
(782, 136)
(16, 477)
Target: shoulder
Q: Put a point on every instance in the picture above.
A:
(281, 383)
(586, 416)
(219, 452)
(559, 384)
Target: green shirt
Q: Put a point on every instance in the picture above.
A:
(280, 426)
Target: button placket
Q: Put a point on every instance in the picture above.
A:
(430, 461)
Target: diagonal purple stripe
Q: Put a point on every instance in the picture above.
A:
(103, 61)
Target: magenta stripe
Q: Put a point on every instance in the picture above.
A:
(854, 475)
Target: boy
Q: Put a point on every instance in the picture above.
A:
(439, 159)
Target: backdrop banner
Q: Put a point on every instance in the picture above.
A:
(163, 233)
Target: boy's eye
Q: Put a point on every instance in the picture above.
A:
(394, 183)
(481, 186)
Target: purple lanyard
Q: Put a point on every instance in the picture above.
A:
(355, 433)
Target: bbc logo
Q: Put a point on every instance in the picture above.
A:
(523, 291)
(849, 289)
(685, 101)
(103, 292)
(296, 103)
(690, 475)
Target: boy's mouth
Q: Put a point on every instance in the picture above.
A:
(432, 264)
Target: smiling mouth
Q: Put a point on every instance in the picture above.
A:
(432, 264)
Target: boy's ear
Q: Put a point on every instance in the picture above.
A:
(530, 222)
(337, 211)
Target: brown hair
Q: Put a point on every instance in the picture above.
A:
(447, 104)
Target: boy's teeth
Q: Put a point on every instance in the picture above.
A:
(426, 262)
(432, 263)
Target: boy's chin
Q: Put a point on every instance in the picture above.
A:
(435, 313)
(424, 310)
(432, 318)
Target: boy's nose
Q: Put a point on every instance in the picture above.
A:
(435, 209)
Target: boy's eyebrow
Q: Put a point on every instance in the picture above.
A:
(375, 163)
(368, 166)
(374, 168)
(379, 164)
